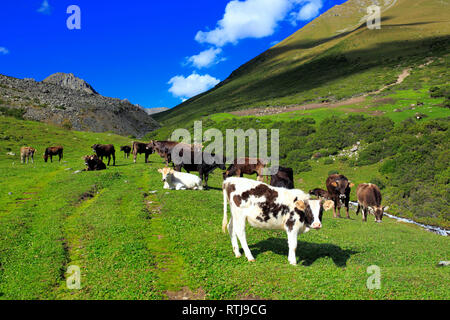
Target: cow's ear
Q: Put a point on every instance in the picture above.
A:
(385, 208)
(352, 184)
(172, 171)
(160, 171)
(334, 184)
(300, 205)
(328, 205)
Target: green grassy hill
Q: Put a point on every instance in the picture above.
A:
(131, 242)
(332, 58)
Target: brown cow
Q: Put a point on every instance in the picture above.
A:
(53, 151)
(246, 166)
(320, 193)
(165, 148)
(369, 200)
(105, 150)
(284, 178)
(126, 151)
(339, 189)
(139, 148)
(26, 153)
(93, 163)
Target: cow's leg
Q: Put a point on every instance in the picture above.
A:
(134, 156)
(359, 209)
(338, 207)
(51, 158)
(335, 207)
(239, 225)
(206, 177)
(233, 237)
(292, 242)
(365, 213)
(114, 159)
(146, 157)
(347, 207)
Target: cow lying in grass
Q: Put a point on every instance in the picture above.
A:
(94, 163)
(269, 207)
(175, 180)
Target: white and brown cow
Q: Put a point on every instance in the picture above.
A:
(369, 200)
(268, 207)
(27, 153)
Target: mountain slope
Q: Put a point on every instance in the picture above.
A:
(68, 101)
(334, 57)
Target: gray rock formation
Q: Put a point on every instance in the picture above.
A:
(64, 100)
(69, 81)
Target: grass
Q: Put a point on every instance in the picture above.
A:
(132, 243)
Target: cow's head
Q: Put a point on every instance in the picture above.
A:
(45, 156)
(342, 187)
(166, 173)
(311, 211)
(378, 213)
(95, 147)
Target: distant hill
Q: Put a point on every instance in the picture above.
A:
(68, 101)
(152, 111)
(332, 58)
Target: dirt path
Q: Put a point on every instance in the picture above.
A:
(351, 101)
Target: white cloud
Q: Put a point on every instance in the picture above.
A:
(309, 10)
(256, 19)
(45, 8)
(206, 58)
(193, 85)
(246, 19)
(3, 50)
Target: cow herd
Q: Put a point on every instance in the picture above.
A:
(274, 205)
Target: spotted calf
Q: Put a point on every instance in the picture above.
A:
(269, 207)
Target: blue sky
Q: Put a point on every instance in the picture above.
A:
(154, 53)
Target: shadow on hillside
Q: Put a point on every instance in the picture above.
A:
(307, 253)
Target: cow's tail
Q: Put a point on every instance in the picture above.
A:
(225, 209)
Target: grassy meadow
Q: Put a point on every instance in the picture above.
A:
(134, 240)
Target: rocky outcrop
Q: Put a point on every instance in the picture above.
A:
(69, 81)
(67, 101)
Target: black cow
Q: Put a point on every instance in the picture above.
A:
(339, 189)
(140, 148)
(205, 167)
(53, 151)
(126, 151)
(105, 150)
(284, 178)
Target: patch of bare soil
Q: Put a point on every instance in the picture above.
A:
(186, 294)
